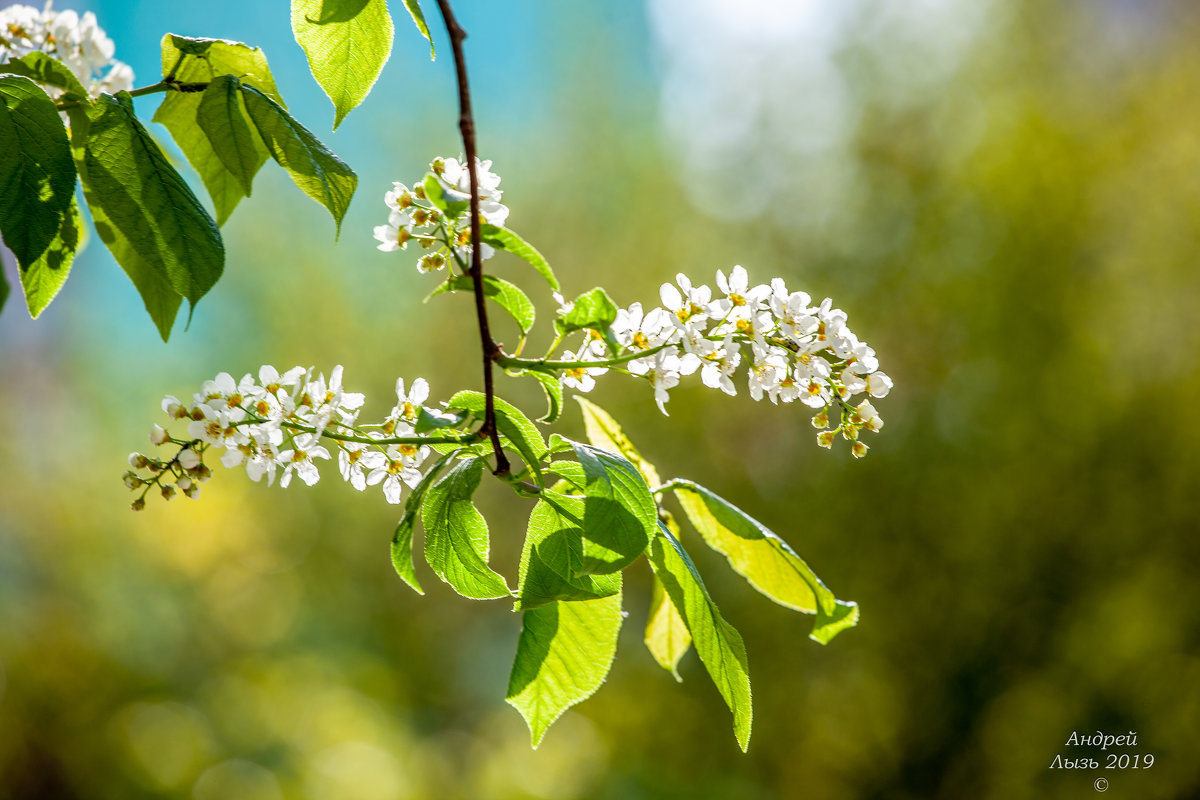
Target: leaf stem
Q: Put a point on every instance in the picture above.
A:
(466, 126)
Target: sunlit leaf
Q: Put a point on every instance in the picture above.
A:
(765, 560)
(504, 239)
(604, 432)
(418, 18)
(37, 172)
(222, 117)
(313, 167)
(456, 534)
(46, 276)
(563, 656)
(504, 294)
(402, 539)
(510, 422)
(594, 310)
(41, 68)
(619, 515)
(137, 191)
(347, 43)
(667, 636)
(718, 644)
(552, 557)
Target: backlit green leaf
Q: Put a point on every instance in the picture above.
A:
(504, 239)
(347, 43)
(313, 167)
(594, 310)
(718, 644)
(418, 18)
(504, 294)
(765, 560)
(37, 172)
(402, 539)
(667, 636)
(50, 71)
(552, 386)
(140, 194)
(222, 117)
(188, 60)
(456, 535)
(552, 558)
(451, 201)
(563, 656)
(510, 422)
(619, 515)
(604, 432)
(42, 281)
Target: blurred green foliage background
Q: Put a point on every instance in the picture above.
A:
(1003, 196)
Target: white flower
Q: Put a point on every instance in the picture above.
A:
(300, 461)
(157, 435)
(395, 468)
(352, 463)
(741, 300)
(580, 378)
(396, 234)
(692, 304)
(408, 404)
(455, 176)
(720, 365)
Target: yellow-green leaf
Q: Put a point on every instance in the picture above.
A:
(564, 655)
(347, 43)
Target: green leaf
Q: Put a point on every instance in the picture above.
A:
(552, 557)
(313, 167)
(37, 173)
(139, 193)
(504, 294)
(604, 432)
(510, 422)
(764, 559)
(189, 60)
(418, 18)
(347, 43)
(47, 275)
(221, 116)
(44, 69)
(402, 539)
(718, 644)
(563, 656)
(456, 535)
(427, 422)
(619, 514)
(667, 636)
(594, 310)
(504, 239)
(552, 385)
(451, 201)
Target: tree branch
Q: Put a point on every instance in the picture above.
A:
(466, 126)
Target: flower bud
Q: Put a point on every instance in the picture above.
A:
(189, 458)
(137, 461)
(157, 435)
(821, 421)
(858, 449)
(168, 491)
(825, 438)
(138, 505)
(201, 473)
(131, 480)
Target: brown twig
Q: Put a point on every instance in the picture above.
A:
(466, 125)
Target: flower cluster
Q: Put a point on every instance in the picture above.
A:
(441, 224)
(797, 351)
(277, 425)
(77, 41)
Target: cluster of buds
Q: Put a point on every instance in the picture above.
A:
(277, 426)
(798, 351)
(444, 227)
(183, 472)
(77, 41)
